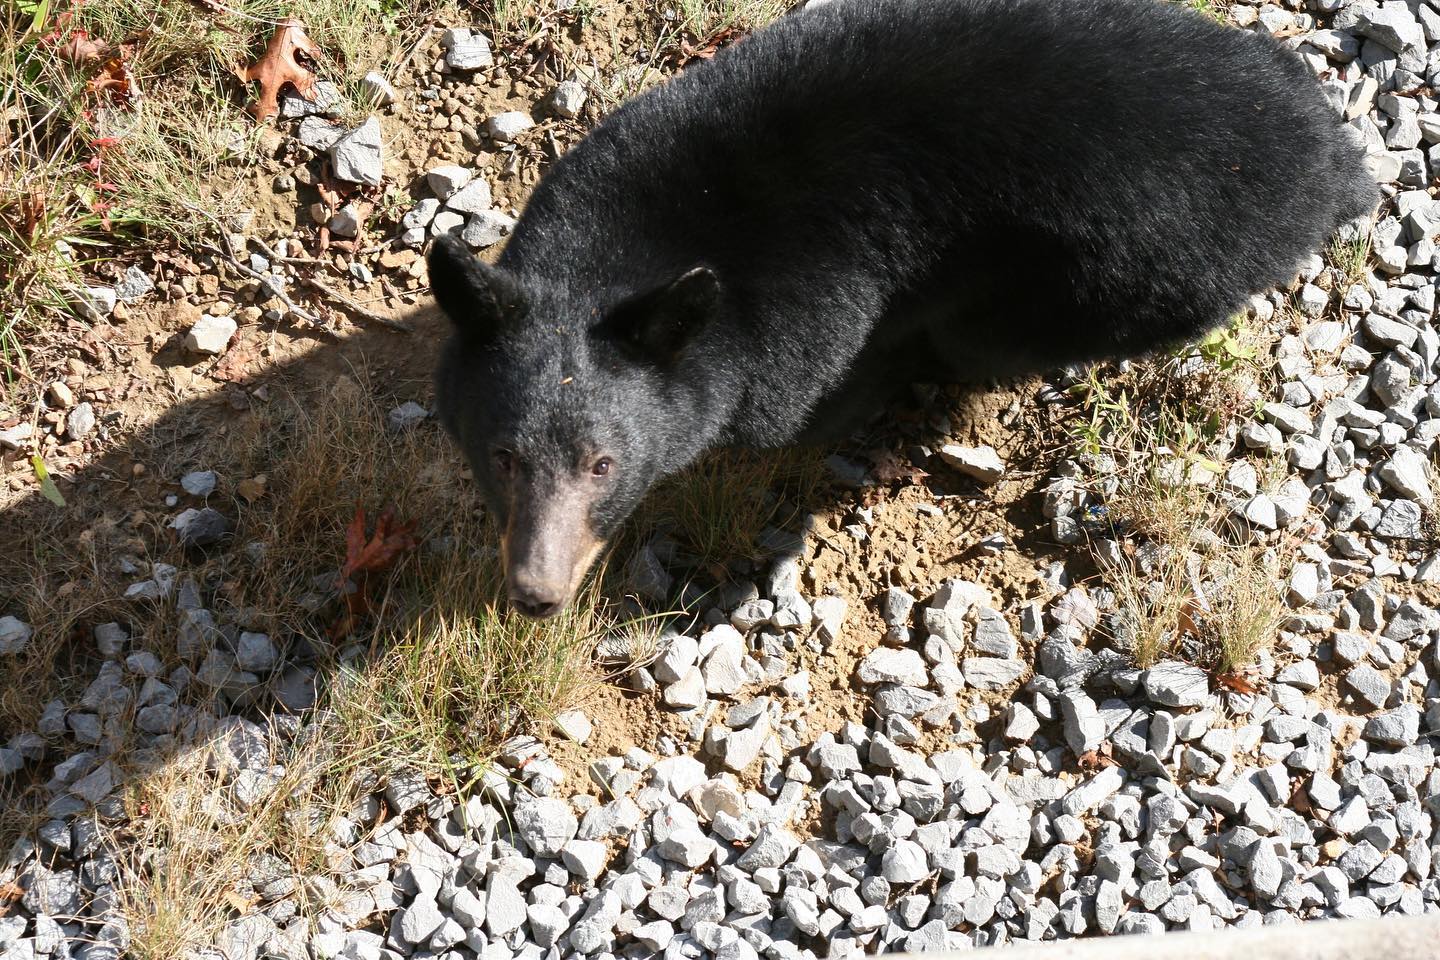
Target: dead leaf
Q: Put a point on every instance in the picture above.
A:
(231, 368)
(706, 49)
(891, 468)
(364, 557)
(280, 65)
(1185, 620)
(1098, 759)
(252, 488)
(1300, 799)
(80, 48)
(238, 902)
(114, 80)
(1234, 681)
(379, 552)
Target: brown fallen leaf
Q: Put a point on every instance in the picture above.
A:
(232, 366)
(239, 902)
(80, 48)
(1234, 681)
(1098, 759)
(1187, 620)
(114, 80)
(280, 65)
(891, 468)
(10, 894)
(380, 551)
(252, 488)
(364, 557)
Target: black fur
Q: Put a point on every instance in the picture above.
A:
(880, 192)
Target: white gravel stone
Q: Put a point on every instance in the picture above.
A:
(568, 98)
(210, 334)
(981, 463)
(991, 673)
(688, 847)
(377, 90)
(905, 862)
(506, 127)
(1174, 684)
(471, 197)
(418, 921)
(545, 823)
(504, 906)
(14, 635)
(470, 53)
(885, 665)
(80, 422)
(585, 858)
(199, 483)
(487, 228)
(445, 180)
(681, 652)
(1408, 474)
(356, 156)
(573, 725)
(256, 653)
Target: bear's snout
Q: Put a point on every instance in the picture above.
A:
(548, 547)
(537, 598)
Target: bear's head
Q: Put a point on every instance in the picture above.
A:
(569, 406)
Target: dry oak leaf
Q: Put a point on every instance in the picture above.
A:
(279, 66)
(114, 79)
(381, 550)
(79, 48)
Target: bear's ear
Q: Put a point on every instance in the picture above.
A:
(659, 324)
(478, 298)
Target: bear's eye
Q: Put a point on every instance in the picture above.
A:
(602, 466)
(504, 460)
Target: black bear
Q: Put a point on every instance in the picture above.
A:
(863, 195)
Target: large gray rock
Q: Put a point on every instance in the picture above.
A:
(546, 824)
(210, 334)
(1408, 473)
(1175, 684)
(982, 463)
(471, 197)
(568, 99)
(506, 127)
(1390, 24)
(487, 228)
(885, 665)
(356, 156)
(14, 635)
(469, 53)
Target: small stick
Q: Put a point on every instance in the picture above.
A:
(355, 308)
(318, 285)
(284, 298)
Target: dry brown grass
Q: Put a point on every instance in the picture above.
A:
(717, 508)
(190, 844)
(1182, 588)
(84, 177)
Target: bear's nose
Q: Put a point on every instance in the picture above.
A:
(537, 600)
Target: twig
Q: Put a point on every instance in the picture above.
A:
(281, 295)
(355, 308)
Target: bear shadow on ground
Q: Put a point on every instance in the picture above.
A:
(65, 570)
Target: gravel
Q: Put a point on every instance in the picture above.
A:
(981, 463)
(487, 228)
(507, 127)
(568, 99)
(210, 334)
(15, 635)
(357, 157)
(1008, 774)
